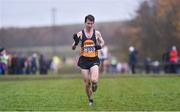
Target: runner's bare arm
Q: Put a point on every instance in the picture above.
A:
(100, 39)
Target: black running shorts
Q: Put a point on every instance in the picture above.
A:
(87, 63)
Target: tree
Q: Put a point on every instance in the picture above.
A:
(159, 26)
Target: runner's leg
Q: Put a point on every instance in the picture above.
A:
(94, 76)
(87, 83)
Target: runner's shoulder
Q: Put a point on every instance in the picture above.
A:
(79, 34)
(98, 33)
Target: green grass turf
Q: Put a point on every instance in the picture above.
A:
(115, 92)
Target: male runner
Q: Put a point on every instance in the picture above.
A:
(91, 41)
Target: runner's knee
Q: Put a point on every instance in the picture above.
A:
(94, 80)
(87, 83)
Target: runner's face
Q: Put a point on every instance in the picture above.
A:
(3, 52)
(89, 24)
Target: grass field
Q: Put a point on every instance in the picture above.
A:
(66, 92)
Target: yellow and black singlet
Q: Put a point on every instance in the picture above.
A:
(88, 45)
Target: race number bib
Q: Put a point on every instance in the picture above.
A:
(89, 49)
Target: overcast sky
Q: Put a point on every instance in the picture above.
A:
(25, 13)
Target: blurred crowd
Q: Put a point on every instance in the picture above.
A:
(17, 63)
(36, 63)
(169, 63)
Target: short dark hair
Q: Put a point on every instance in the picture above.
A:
(1, 49)
(90, 17)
